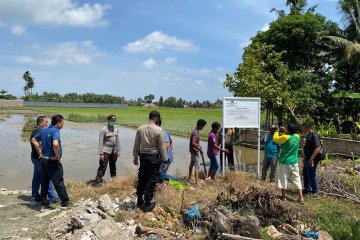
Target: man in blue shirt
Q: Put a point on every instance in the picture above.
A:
(271, 150)
(48, 145)
(41, 122)
(164, 167)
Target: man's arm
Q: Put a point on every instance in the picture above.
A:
(162, 148)
(316, 143)
(101, 142)
(56, 147)
(118, 142)
(136, 149)
(280, 139)
(37, 146)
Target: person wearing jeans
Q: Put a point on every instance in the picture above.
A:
(271, 150)
(311, 161)
(48, 145)
(41, 122)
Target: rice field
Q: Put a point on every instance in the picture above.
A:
(175, 120)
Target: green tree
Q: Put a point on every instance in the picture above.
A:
(29, 83)
(296, 7)
(261, 74)
(349, 40)
(5, 95)
(300, 40)
(149, 98)
(347, 54)
(161, 101)
(170, 102)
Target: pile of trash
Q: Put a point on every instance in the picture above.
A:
(264, 203)
(107, 219)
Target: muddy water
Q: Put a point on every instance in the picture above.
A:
(80, 159)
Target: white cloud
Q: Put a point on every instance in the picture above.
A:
(170, 60)
(157, 41)
(18, 30)
(199, 82)
(61, 12)
(265, 27)
(149, 63)
(211, 70)
(67, 52)
(245, 44)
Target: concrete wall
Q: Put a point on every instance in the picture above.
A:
(332, 145)
(11, 103)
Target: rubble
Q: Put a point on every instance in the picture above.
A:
(4, 191)
(90, 220)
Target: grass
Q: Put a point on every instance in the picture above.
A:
(336, 216)
(176, 120)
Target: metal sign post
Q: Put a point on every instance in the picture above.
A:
(241, 113)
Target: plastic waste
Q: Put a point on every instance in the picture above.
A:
(193, 212)
(311, 234)
(176, 184)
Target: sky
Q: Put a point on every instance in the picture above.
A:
(180, 48)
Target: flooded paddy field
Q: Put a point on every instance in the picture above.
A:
(80, 159)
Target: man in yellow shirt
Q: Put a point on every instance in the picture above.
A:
(289, 169)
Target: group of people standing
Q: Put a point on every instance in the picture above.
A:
(153, 151)
(283, 146)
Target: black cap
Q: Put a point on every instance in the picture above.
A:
(307, 124)
(153, 114)
(111, 117)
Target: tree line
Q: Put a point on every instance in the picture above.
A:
(304, 65)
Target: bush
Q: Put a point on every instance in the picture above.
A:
(327, 130)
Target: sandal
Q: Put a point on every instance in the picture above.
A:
(301, 200)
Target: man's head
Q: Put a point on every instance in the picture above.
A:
(215, 126)
(272, 129)
(58, 121)
(200, 124)
(42, 121)
(154, 116)
(290, 128)
(111, 120)
(307, 127)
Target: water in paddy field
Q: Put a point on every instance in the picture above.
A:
(80, 158)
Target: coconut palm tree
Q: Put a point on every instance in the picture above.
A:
(350, 41)
(296, 7)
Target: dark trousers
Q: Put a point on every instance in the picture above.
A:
(269, 161)
(148, 176)
(310, 177)
(229, 156)
(108, 158)
(53, 170)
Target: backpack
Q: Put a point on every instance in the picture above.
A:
(322, 154)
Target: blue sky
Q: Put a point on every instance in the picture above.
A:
(180, 48)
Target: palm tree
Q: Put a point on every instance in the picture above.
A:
(29, 83)
(350, 11)
(296, 7)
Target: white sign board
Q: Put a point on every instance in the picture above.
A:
(241, 112)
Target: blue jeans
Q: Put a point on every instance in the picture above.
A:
(310, 177)
(36, 181)
(164, 176)
(213, 163)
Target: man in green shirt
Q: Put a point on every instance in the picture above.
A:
(289, 169)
